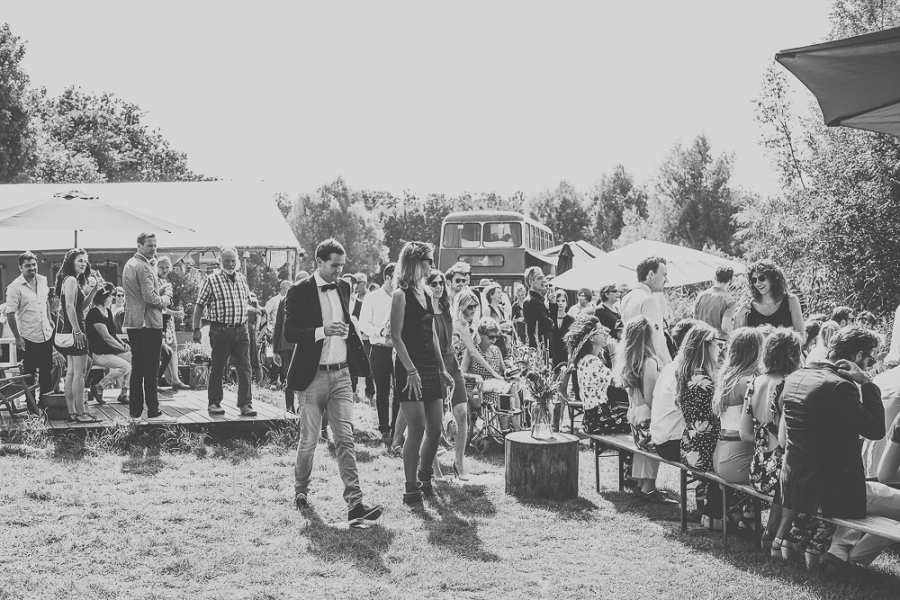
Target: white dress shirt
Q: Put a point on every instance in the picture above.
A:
(29, 303)
(641, 301)
(375, 309)
(334, 348)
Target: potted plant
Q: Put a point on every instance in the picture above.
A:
(195, 359)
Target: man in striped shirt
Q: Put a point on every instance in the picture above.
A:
(226, 298)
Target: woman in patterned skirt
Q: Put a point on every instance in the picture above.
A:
(418, 368)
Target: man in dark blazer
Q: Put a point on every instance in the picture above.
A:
(328, 352)
(827, 407)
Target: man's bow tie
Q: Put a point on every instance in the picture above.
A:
(328, 286)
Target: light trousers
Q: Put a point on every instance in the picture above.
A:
(862, 548)
(328, 393)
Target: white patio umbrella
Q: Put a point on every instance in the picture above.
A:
(76, 211)
(685, 266)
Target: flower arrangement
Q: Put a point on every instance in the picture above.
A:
(194, 353)
(542, 385)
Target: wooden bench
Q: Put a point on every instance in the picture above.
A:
(624, 443)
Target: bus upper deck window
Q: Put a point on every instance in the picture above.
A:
(502, 235)
(462, 235)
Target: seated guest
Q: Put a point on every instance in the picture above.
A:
(812, 334)
(827, 406)
(666, 420)
(636, 371)
(889, 384)
(866, 320)
(106, 349)
(732, 457)
(591, 377)
(842, 315)
(492, 388)
(820, 350)
(852, 548)
(762, 416)
(694, 393)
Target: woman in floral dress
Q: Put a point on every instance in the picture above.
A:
(782, 355)
(694, 393)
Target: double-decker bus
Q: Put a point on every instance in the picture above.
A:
(498, 245)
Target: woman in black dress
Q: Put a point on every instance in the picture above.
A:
(771, 303)
(74, 274)
(418, 368)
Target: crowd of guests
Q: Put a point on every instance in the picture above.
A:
(758, 395)
(750, 390)
(126, 334)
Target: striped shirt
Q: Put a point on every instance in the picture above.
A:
(226, 301)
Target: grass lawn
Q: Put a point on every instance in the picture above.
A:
(218, 521)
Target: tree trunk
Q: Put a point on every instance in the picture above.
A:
(542, 468)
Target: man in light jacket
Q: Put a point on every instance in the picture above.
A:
(144, 323)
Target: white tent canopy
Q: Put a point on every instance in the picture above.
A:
(220, 213)
(685, 266)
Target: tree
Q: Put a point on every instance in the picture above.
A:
(695, 203)
(15, 148)
(563, 210)
(335, 211)
(612, 198)
(76, 127)
(834, 228)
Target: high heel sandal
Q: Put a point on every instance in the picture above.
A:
(458, 476)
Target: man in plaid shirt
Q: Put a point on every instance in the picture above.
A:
(226, 298)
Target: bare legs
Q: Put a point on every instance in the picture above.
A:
(461, 416)
(76, 367)
(423, 424)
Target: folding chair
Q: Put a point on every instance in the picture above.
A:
(16, 396)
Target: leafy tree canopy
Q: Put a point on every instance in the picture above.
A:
(14, 117)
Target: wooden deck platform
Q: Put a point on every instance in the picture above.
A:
(187, 408)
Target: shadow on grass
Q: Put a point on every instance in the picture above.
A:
(338, 543)
(576, 509)
(745, 555)
(455, 533)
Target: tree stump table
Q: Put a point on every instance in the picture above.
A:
(542, 468)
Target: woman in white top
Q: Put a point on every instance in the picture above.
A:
(731, 460)
(636, 370)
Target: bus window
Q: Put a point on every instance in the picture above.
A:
(462, 235)
(502, 235)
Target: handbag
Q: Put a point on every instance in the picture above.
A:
(62, 340)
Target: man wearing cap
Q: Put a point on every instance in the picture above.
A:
(226, 298)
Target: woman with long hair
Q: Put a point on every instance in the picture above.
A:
(518, 316)
(590, 378)
(694, 389)
(418, 369)
(73, 278)
(169, 368)
(443, 325)
(770, 301)
(106, 349)
(820, 350)
(732, 456)
(636, 370)
(782, 355)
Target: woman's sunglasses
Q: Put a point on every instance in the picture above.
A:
(436, 283)
(758, 279)
(492, 336)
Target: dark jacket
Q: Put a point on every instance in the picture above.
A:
(824, 419)
(280, 344)
(302, 316)
(538, 322)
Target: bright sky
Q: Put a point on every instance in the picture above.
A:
(427, 96)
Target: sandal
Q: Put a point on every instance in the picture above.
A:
(86, 418)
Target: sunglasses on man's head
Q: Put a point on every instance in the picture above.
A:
(758, 279)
